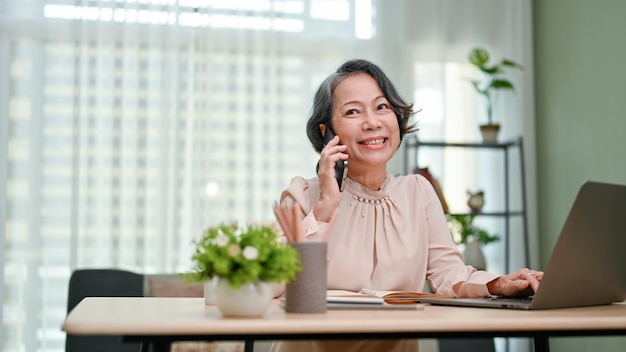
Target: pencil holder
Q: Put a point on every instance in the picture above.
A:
(307, 292)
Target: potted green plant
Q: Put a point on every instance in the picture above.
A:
(245, 260)
(493, 81)
(465, 232)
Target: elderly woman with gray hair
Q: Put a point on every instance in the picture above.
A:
(389, 232)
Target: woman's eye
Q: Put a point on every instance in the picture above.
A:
(383, 106)
(352, 112)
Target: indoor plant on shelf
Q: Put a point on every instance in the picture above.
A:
(245, 261)
(472, 237)
(493, 81)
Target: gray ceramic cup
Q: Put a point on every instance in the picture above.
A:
(307, 293)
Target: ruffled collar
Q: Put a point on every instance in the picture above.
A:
(366, 195)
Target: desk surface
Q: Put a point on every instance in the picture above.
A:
(190, 316)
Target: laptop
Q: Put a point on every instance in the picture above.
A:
(588, 264)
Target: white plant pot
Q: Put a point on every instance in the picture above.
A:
(209, 291)
(474, 256)
(248, 301)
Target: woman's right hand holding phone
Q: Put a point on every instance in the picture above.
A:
(330, 196)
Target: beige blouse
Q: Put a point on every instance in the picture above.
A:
(396, 238)
(392, 239)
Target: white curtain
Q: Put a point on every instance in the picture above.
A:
(126, 127)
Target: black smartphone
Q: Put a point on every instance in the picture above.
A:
(341, 166)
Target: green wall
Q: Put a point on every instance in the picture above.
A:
(580, 96)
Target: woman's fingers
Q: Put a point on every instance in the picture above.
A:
(531, 279)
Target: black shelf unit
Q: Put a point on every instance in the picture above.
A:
(412, 146)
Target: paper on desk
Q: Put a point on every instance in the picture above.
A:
(341, 299)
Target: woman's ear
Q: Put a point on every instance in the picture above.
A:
(323, 129)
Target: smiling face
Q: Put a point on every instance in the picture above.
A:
(364, 121)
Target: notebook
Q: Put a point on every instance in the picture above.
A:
(353, 300)
(588, 264)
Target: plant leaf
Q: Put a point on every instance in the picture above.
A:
(479, 57)
(509, 63)
(491, 70)
(501, 84)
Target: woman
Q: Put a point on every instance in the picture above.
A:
(390, 232)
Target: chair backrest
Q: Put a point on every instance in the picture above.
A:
(101, 283)
(472, 344)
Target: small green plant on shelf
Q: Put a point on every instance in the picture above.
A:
(493, 77)
(464, 231)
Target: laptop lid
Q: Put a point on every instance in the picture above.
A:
(588, 264)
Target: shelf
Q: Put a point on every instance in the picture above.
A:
(492, 213)
(413, 144)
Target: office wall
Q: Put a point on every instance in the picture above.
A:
(580, 67)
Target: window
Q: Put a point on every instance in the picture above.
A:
(127, 127)
(133, 125)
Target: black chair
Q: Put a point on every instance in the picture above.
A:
(102, 283)
(120, 283)
(472, 344)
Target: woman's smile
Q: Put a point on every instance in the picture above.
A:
(375, 141)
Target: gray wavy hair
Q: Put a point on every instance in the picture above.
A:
(322, 110)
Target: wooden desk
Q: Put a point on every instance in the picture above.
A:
(163, 320)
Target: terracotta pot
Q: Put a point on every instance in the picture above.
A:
(490, 133)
